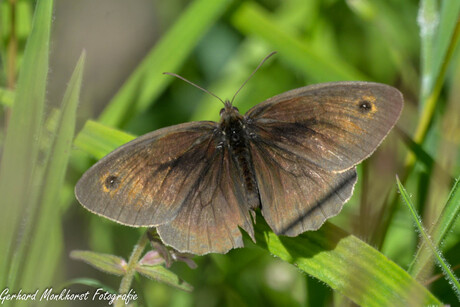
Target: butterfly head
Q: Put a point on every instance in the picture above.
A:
(228, 111)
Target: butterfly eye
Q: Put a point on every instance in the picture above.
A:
(236, 109)
(221, 111)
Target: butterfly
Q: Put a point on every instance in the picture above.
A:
(293, 156)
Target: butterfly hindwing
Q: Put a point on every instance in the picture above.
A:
(216, 207)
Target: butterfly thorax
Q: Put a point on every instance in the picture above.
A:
(235, 139)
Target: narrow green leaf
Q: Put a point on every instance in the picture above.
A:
(163, 275)
(347, 265)
(450, 213)
(47, 238)
(428, 20)
(448, 274)
(252, 19)
(107, 263)
(98, 140)
(443, 226)
(19, 179)
(147, 82)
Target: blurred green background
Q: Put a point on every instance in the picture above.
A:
(411, 45)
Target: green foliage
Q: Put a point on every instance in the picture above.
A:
(369, 255)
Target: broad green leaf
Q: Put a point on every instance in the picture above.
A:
(163, 275)
(448, 273)
(147, 82)
(19, 178)
(107, 263)
(347, 265)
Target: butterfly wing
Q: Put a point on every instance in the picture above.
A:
(306, 142)
(217, 206)
(164, 176)
(297, 196)
(331, 125)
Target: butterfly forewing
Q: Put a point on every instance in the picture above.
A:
(176, 177)
(332, 125)
(145, 182)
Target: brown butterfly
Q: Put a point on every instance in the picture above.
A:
(293, 156)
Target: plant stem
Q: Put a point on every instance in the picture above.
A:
(131, 267)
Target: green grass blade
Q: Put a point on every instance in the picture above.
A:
(428, 22)
(443, 226)
(18, 176)
(437, 30)
(449, 275)
(450, 213)
(252, 19)
(47, 238)
(147, 81)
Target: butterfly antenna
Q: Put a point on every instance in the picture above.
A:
(191, 83)
(257, 68)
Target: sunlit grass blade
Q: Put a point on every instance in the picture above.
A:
(437, 31)
(252, 19)
(449, 275)
(147, 81)
(19, 179)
